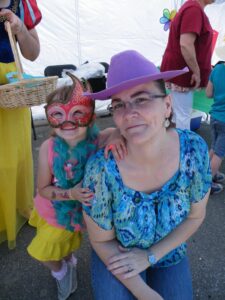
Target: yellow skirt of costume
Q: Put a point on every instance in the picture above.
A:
(16, 167)
(51, 243)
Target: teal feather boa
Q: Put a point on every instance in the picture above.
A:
(69, 213)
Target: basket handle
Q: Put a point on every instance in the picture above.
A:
(15, 51)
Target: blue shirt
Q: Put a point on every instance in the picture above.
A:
(140, 219)
(217, 77)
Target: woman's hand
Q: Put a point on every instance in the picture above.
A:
(84, 195)
(16, 24)
(129, 262)
(118, 148)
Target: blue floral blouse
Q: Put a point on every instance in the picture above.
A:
(140, 219)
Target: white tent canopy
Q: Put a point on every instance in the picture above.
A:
(75, 31)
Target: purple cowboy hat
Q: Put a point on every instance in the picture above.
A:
(128, 69)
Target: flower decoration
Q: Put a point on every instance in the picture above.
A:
(167, 17)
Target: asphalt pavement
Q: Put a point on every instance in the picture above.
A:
(22, 278)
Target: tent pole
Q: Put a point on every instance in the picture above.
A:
(78, 32)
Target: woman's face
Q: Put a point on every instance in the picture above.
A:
(140, 112)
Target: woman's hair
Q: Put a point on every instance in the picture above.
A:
(160, 83)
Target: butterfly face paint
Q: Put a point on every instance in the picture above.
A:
(78, 110)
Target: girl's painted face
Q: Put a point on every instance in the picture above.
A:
(77, 112)
(69, 115)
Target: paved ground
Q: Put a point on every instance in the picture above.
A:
(22, 278)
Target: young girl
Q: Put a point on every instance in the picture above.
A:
(58, 214)
(216, 89)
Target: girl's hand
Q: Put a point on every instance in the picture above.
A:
(16, 24)
(118, 148)
(84, 195)
(128, 263)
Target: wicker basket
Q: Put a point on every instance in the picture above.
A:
(24, 92)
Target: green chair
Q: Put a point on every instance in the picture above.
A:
(201, 101)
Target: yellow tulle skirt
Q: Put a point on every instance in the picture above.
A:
(51, 243)
(16, 167)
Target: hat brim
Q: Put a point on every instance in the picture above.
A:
(108, 92)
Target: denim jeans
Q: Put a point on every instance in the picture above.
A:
(218, 137)
(172, 283)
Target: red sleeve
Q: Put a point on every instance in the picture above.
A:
(191, 20)
(30, 13)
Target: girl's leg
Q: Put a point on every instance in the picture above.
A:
(104, 284)
(71, 259)
(54, 266)
(172, 283)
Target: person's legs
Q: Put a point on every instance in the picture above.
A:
(182, 108)
(53, 247)
(215, 164)
(217, 153)
(104, 284)
(172, 283)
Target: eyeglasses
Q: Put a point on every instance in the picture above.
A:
(119, 107)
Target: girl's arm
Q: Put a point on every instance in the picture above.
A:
(107, 135)
(138, 259)
(209, 89)
(47, 190)
(112, 140)
(28, 39)
(106, 246)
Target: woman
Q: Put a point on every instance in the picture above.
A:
(147, 205)
(16, 168)
(190, 34)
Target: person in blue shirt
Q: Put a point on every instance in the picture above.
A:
(147, 205)
(216, 89)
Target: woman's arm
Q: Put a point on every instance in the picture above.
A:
(187, 46)
(27, 39)
(184, 231)
(138, 259)
(106, 246)
(209, 89)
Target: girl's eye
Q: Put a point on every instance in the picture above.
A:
(78, 113)
(57, 115)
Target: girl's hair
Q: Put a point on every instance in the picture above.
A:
(63, 94)
(60, 95)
